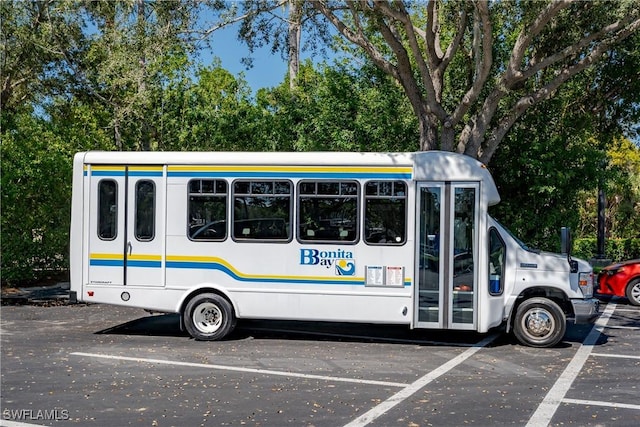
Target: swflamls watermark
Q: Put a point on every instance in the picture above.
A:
(35, 414)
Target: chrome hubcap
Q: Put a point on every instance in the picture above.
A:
(207, 317)
(538, 322)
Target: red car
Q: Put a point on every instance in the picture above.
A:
(621, 279)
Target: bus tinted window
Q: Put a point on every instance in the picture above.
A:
(328, 211)
(107, 209)
(145, 210)
(497, 261)
(207, 209)
(262, 210)
(385, 215)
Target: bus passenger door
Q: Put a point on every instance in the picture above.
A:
(447, 247)
(126, 224)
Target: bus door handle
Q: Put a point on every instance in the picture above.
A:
(129, 247)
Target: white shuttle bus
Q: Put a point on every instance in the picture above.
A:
(392, 238)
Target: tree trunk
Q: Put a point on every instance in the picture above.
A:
(145, 140)
(428, 127)
(295, 31)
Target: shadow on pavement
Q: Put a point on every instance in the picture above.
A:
(169, 325)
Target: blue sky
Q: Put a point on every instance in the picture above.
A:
(268, 69)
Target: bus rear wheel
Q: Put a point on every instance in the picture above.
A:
(209, 317)
(539, 322)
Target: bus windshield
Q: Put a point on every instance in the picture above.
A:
(513, 236)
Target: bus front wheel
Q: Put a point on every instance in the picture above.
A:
(539, 322)
(209, 317)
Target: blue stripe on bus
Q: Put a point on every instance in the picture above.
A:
(121, 173)
(120, 263)
(104, 173)
(235, 276)
(284, 175)
(145, 173)
(107, 262)
(146, 264)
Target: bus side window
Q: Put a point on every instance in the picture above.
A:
(262, 210)
(145, 210)
(328, 211)
(497, 258)
(107, 209)
(207, 210)
(385, 212)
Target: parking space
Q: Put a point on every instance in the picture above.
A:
(606, 390)
(101, 365)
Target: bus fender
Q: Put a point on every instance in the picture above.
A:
(550, 292)
(201, 289)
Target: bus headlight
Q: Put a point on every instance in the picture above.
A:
(585, 280)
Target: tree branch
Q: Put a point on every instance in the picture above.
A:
(432, 96)
(230, 21)
(483, 55)
(527, 34)
(576, 48)
(432, 35)
(405, 71)
(356, 37)
(453, 47)
(545, 92)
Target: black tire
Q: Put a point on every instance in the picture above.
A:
(539, 322)
(209, 317)
(633, 291)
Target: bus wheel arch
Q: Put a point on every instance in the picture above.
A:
(208, 315)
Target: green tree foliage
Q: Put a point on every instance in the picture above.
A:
(35, 35)
(339, 109)
(540, 170)
(135, 49)
(213, 112)
(35, 200)
(620, 174)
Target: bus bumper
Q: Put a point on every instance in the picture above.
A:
(585, 310)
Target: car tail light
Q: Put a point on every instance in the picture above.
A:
(585, 280)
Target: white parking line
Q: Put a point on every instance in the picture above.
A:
(239, 369)
(552, 400)
(405, 393)
(629, 310)
(633, 328)
(7, 423)
(619, 356)
(599, 403)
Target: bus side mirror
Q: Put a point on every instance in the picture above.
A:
(565, 247)
(565, 241)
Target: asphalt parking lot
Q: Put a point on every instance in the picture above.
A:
(103, 365)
